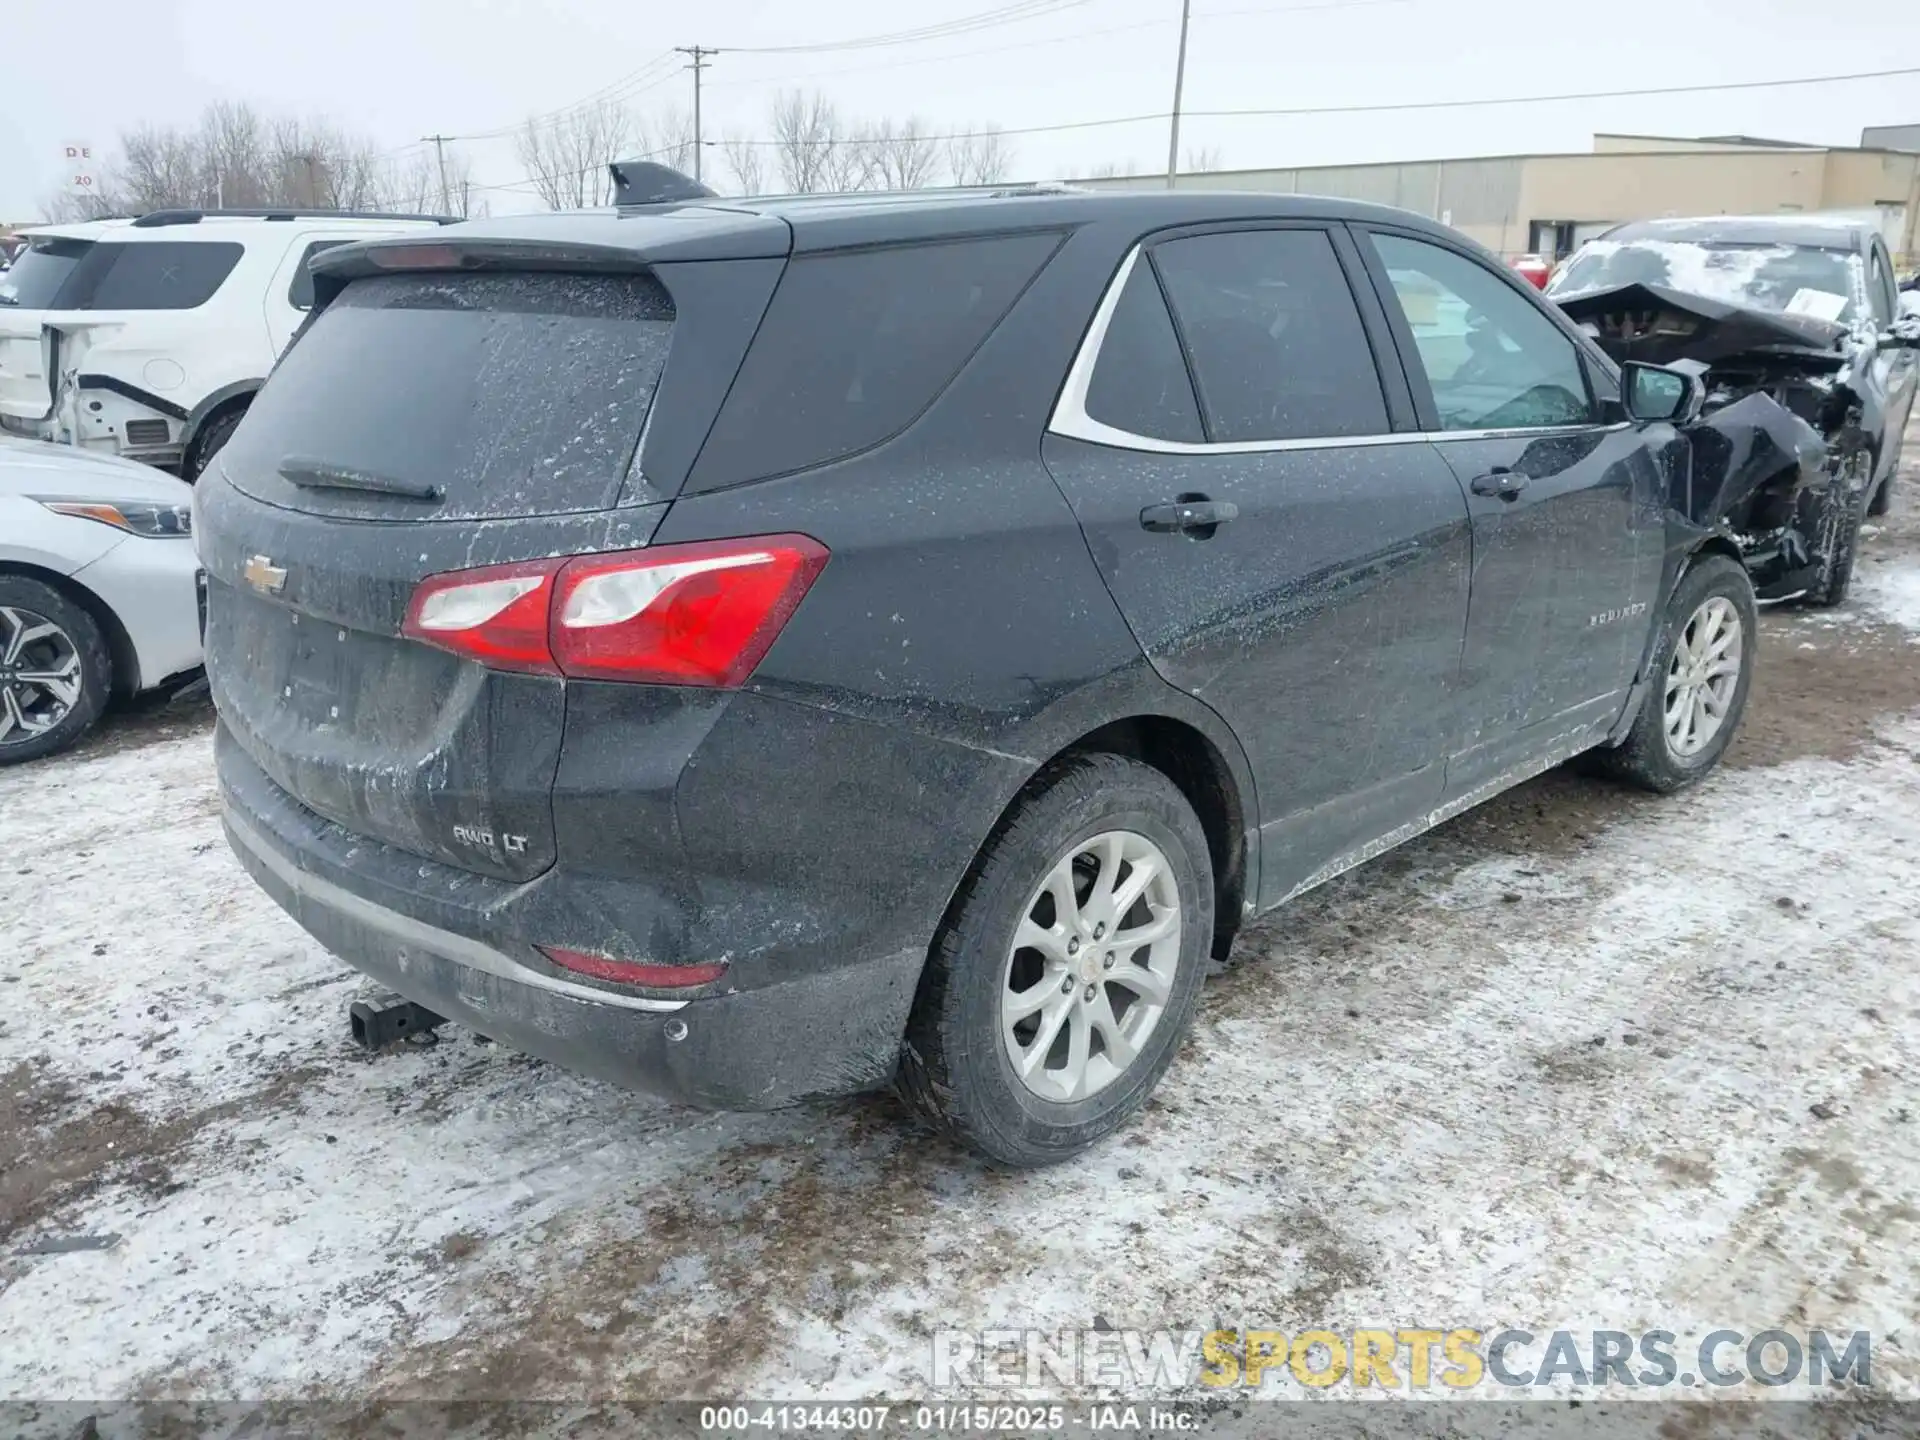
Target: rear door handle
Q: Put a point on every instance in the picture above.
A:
(1499, 484)
(1188, 515)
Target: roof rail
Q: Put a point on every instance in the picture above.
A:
(155, 218)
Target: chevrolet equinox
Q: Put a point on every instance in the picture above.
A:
(752, 650)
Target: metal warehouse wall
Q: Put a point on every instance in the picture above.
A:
(1495, 198)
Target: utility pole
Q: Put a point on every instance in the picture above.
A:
(440, 148)
(1179, 83)
(699, 55)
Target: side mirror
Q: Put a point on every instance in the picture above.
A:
(1653, 392)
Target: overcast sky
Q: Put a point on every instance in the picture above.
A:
(400, 69)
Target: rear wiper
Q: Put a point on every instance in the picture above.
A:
(318, 475)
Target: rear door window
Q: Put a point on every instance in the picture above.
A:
(1278, 348)
(1140, 382)
(40, 271)
(856, 344)
(510, 394)
(160, 275)
(1495, 362)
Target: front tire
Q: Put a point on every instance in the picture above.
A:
(1850, 509)
(1883, 497)
(1066, 972)
(1704, 668)
(55, 670)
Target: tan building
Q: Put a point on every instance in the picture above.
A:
(1547, 204)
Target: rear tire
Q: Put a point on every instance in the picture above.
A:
(208, 443)
(998, 1028)
(1673, 742)
(55, 670)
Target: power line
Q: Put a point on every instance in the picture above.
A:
(622, 89)
(1072, 38)
(963, 25)
(1159, 116)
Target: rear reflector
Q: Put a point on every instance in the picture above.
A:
(657, 977)
(704, 613)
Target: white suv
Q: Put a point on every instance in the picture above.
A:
(147, 338)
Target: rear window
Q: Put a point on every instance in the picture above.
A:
(162, 275)
(39, 271)
(856, 344)
(510, 394)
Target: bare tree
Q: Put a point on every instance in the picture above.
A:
(1110, 169)
(63, 207)
(1202, 159)
(748, 161)
(234, 152)
(159, 168)
(806, 133)
(236, 158)
(668, 138)
(979, 156)
(567, 156)
(899, 155)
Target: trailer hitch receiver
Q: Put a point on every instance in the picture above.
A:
(379, 1020)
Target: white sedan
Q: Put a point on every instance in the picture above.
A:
(99, 590)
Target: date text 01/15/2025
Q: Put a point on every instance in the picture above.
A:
(957, 1419)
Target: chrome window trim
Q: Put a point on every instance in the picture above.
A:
(1070, 418)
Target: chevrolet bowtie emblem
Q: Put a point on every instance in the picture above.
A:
(265, 576)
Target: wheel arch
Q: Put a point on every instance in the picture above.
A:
(237, 395)
(120, 648)
(1208, 769)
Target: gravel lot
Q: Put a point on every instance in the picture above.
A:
(1581, 1058)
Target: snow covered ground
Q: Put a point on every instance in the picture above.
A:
(1582, 1058)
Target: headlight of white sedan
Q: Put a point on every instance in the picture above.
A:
(136, 517)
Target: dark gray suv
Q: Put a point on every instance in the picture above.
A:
(765, 649)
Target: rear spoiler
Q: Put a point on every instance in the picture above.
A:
(592, 242)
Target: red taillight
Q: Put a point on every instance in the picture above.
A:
(657, 977)
(496, 615)
(699, 614)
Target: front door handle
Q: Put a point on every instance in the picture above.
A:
(1499, 483)
(1197, 516)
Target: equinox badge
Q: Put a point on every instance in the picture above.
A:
(265, 576)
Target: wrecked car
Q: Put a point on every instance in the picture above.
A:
(1808, 367)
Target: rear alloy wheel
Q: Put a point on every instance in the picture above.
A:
(54, 670)
(1058, 989)
(1704, 665)
(1091, 967)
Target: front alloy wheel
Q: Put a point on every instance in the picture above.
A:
(55, 670)
(1698, 679)
(40, 675)
(1702, 677)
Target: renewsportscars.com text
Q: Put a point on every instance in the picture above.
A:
(1407, 1359)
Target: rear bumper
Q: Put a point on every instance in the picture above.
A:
(436, 936)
